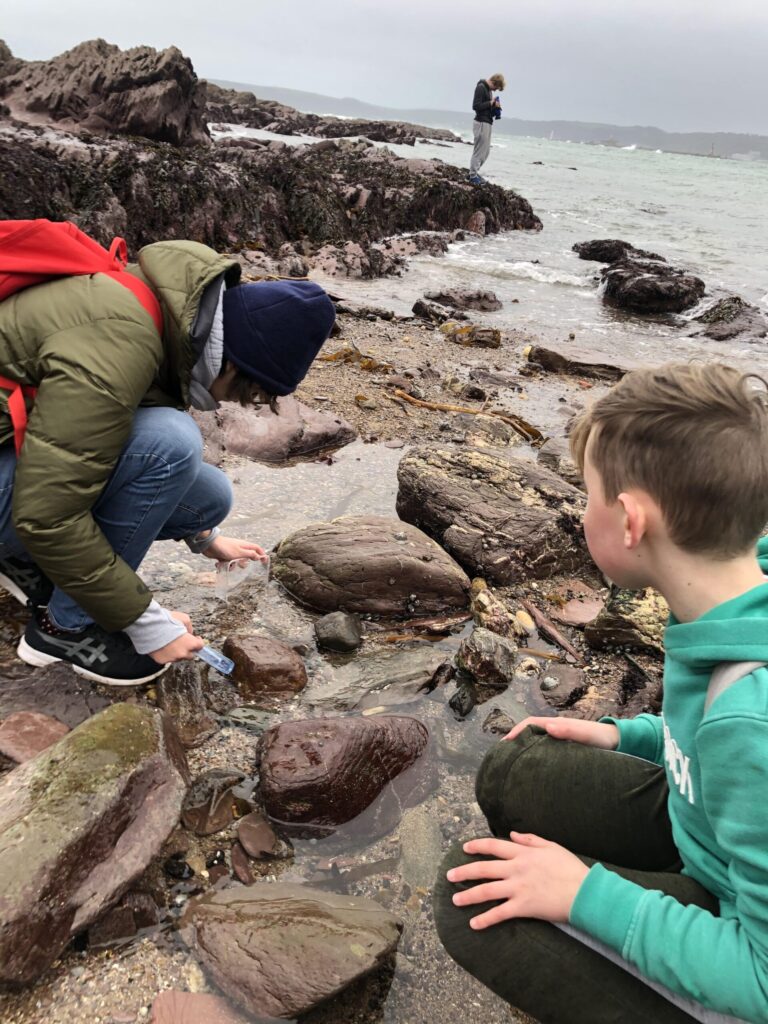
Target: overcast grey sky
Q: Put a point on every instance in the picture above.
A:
(682, 65)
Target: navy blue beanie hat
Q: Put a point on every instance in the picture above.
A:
(274, 329)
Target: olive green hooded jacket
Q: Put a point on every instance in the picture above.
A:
(94, 355)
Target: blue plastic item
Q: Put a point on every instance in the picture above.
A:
(216, 660)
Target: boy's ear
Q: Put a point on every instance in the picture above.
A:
(635, 519)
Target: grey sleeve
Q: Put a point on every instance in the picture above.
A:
(153, 629)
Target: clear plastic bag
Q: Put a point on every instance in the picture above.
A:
(231, 575)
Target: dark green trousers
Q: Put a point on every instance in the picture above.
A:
(605, 807)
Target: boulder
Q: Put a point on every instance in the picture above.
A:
(647, 286)
(180, 693)
(79, 824)
(462, 298)
(470, 335)
(630, 618)
(371, 565)
(488, 657)
(501, 516)
(339, 631)
(265, 668)
(105, 89)
(25, 734)
(265, 436)
(280, 949)
(731, 317)
(556, 362)
(611, 250)
(326, 771)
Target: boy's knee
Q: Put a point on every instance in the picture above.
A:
(182, 441)
(442, 894)
(507, 769)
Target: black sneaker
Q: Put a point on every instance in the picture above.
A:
(108, 658)
(25, 582)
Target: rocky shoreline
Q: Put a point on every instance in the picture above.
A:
(263, 846)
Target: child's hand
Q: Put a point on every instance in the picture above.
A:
(534, 878)
(591, 734)
(227, 549)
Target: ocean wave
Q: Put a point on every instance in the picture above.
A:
(534, 272)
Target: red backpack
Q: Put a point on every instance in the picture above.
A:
(34, 251)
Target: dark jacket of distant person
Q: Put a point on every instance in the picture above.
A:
(482, 104)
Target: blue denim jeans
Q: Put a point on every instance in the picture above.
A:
(160, 489)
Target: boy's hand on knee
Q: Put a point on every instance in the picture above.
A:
(227, 549)
(531, 876)
(591, 734)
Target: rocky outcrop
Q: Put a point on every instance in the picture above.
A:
(500, 515)
(462, 298)
(648, 286)
(279, 949)
(245, 108)
(732, 317)
(308, 196)
(370, 565)
(612, 250)
(326, 771)
(295, 430)
(78, 824)
(265, 668)
(102, 88)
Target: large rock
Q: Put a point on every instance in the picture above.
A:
(105, 89)
(611, 250)
(648, 286)
(630, 618)
(265, 668)
(280, 949)
(731, 317)
(326, 771)
(462, 298)
(269, 437)
(501, 516)
(369, 564)
(79, 824)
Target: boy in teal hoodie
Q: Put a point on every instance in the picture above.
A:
(634, 888)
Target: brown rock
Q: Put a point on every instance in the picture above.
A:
(611, 250)
(55, 691)
(472, 335)
(79, 824)
(326, 771)
(265, 668)
(172, 1007)
(180, 695)
(241, 869)
(462, 298)
(576, 604)
(280, 949)
(630, 619)
(370, 564)
(646, 286)
(501, 516)
(488, 657)
(556, 362)
(258, 838)
(25, 734)
(555, 455)
(266, 437)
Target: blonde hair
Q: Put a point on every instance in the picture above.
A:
(695, 438)
(497, 81)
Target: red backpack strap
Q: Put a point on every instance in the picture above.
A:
(17, 408)
(142, 291)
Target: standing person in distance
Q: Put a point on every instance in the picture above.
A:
(487, 109)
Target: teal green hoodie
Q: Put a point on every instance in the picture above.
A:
(717, 768)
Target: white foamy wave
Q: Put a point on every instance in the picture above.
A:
(534, 272)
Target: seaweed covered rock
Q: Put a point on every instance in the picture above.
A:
(79, 824)
(501, 516)
(370, 564)
(630, 619)
(650, 286)
(279, 949)
(730, 317)
(611, 250)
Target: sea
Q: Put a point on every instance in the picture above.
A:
(707, 215)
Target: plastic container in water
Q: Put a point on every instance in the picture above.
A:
(231, 575)
(216, 659)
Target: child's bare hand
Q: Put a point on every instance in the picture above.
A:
(591, 734)
(227, 549)
(534, 878)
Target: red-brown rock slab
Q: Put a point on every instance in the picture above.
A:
(26, 733)
(265, 667)
(172, 1007)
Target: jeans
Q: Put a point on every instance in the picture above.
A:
(605, 807)
(160, 489)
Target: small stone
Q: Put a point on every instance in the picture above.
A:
(265, 667)
(258, 838)
(240, 866)
(549, 683)
(498, 722)
(25, 734)
(209, 805)
(340, 631)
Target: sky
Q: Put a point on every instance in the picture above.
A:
(681, 65)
